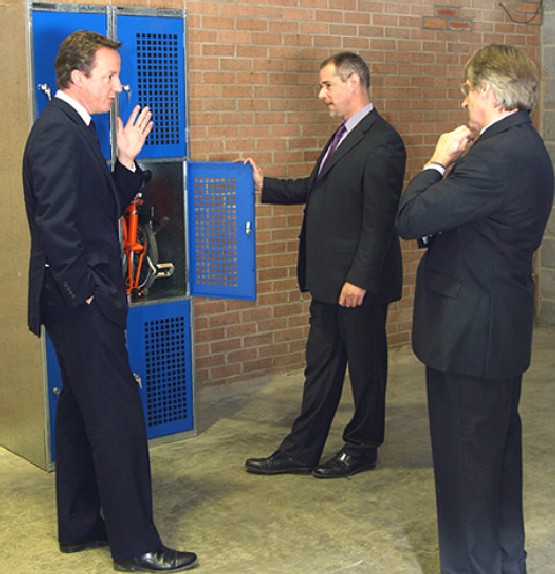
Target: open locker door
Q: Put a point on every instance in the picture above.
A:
(222, 254)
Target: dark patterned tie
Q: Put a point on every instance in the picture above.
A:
(334, 143)
(92, 127)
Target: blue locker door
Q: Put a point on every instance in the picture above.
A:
(153, 73)
(221, 230)
(54, 386)
(160, 355)
(50, 28)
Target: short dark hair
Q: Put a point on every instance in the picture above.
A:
(78, 52)
(347, 63)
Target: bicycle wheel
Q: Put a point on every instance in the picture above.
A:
(147, 238)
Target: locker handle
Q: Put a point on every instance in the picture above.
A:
(138, 380)
(248, 228)
(129, 91)
(46, 89)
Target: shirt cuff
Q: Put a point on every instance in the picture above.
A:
(435, 165)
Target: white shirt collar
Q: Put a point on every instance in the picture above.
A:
(506, 115)
(79, 108)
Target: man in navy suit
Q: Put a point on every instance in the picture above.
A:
(474, 306)
(76, 290)
(350, 261)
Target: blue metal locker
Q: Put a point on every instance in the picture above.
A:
(218, 232)
(49, 29)
(160, 356)
(152, 62)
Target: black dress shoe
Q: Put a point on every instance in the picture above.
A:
(343, 464)
(86, 545)
(161, 560)
(278, 463)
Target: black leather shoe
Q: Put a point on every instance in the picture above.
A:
(278, 463)
(161, 560)
(343, 464)
(86, 545)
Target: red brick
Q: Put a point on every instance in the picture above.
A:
(446, 12)
(435, 23)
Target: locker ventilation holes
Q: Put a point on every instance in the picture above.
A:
(216, 231)
(158, 75)
(166, 384)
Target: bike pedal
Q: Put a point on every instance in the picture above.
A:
(164, 269)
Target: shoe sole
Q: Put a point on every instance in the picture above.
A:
(274, 472)
(132, 568)
(71, 548)
(345, 475)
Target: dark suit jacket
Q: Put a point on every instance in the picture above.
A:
(473, 311)
(348, 232)
(73, 205)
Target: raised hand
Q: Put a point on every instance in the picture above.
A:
(452, 145)
(131, 137)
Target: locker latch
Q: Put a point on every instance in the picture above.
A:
(46, 89)
(128, 90)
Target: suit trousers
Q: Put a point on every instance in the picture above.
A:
(102, 461)
(477, 452)
(341, 336)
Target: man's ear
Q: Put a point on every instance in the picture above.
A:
(353, 81)
(76, 77)
(486, 90)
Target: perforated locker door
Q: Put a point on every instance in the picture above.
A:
(160, 353)
(153, 74)
(222, 253)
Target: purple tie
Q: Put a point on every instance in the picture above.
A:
(334, 143)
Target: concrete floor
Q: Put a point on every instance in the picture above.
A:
(378, 522)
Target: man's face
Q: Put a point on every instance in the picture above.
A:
(336, 94)
(100, 88)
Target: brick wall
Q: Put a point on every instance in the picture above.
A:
(253, 92)
(253, 73)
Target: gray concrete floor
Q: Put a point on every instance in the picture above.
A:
(378, 522)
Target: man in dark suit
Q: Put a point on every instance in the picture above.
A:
(76, 290)
(474, 306)
(350, 261)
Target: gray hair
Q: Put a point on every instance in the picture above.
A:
(511, 73)
(348, 63)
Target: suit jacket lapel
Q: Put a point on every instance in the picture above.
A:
(351, 140)
(505, 124)
(92, 141)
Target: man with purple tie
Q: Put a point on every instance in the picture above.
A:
(350, 261)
